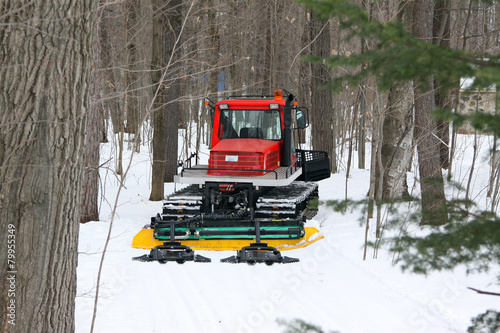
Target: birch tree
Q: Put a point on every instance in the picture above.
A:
(397, 140)
(397, 143)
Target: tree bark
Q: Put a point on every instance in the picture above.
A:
(397, 140)
(109, 39)
(46, 57)
(431, 178)
(304, 84)
(132, 87)
(321, 97)
(172, 52)
(90, 191)
(159, 116)
(441, 34)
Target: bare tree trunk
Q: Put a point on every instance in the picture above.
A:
(336, 109)
(132, 86)
(235, 78)
(269, 41)
(110, 25)
(397, 142)
(305, 66)
(431, 179)
(441, 34)
(362, 124)
(214, 61)
(321, 97)
(362, 103)
(304, 83)
(171, 54)
(495, 165)
(159, 116)
(397, 129)
(90, 191)
(44, 97)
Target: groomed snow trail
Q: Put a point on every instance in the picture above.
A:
(332, 286)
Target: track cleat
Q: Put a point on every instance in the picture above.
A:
(172, 251)
(259, 253)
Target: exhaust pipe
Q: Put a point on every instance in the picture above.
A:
(287, 133)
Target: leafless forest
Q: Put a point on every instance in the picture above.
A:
(157, 61)
(77, 73)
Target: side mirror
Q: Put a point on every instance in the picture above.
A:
(301, 119)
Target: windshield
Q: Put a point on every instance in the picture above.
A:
(260, 124)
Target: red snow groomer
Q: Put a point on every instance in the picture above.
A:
(256, 187)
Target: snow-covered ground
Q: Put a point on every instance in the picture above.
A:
(332, 286)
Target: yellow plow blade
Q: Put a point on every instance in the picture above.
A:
(145, 240)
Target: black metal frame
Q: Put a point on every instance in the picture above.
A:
(289, 170)
(172, 251)
(226, 169)
(258, 252)
(315, 164)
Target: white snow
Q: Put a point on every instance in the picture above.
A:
(332, 286)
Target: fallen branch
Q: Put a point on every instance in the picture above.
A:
(484, 292)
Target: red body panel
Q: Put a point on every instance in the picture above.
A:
(244, 154)
(252, 154)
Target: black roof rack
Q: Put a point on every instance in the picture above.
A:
(251, 96)
(285, 93)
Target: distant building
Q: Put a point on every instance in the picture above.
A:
(484, 101)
